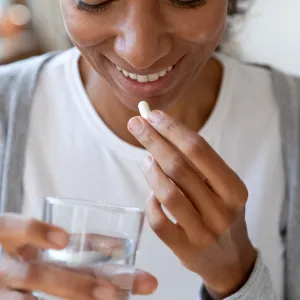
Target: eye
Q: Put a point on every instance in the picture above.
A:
(188, 3)
(81, 5)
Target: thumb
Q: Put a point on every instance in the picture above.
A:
(127, 278)
(144, 283)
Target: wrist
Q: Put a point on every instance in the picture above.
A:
(239, 275)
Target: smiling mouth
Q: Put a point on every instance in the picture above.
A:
(145, 77)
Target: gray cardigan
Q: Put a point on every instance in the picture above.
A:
(17, 86)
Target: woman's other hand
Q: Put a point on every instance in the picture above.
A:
(21, 273)
(205, 197)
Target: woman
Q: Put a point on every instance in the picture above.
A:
(69, 127)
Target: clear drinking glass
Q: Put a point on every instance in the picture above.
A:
(101, 236)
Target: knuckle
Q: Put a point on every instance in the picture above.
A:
(172, 125)
(239, 195)
(158, 223)
(34, 229)
(243, 193)
(169, 196)
(233, 195)
(196, 146)
(175, 167)
(149, 140)
(223, 224)
(30, 225)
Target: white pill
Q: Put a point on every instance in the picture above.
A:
(144, 109)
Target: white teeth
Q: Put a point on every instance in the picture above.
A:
(142, 78)
(162, 73)
(153, 77)
(125, 73)
(145, 78)
(133, 76)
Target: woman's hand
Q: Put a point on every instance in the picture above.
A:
(205, 197)
(21, 273)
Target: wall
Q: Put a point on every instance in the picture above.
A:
(270, 34)
(48, 24)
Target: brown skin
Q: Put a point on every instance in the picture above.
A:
(210, 237)
(144, 37)
(206, 197)
(7, 28)
(21, 273)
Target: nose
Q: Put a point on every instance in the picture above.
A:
(143, 39)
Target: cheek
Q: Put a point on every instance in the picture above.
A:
(203, 26)
(85, 29)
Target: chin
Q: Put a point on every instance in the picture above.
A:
(159, 102)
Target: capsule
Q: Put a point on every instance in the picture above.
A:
(144, 109)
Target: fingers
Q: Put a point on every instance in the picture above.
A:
(172, 198)
(171, 234)
(29, 275)
(127, 278)
(211, 217)
(175, 166)
(144, 283)
(76, 284)
(16, 231)
(106, 245)
(52, 280)
(216, 212)
(100, 242)
(220, 176)
(27, 253)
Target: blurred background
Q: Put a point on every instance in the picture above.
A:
(30, 27)
(268, 32)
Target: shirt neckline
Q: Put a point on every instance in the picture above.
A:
(102, 133)
(108, 139)
(215, 122)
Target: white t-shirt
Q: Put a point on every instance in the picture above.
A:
(72, 153)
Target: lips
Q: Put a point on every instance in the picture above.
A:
(141, 85)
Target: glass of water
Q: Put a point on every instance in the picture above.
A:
(102, 236)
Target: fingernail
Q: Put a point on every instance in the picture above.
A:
(58, 239)
(147, 163)
(135, 126)
(101, 293)
(155, 116)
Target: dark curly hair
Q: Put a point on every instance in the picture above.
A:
(232, 7)
(232, 11)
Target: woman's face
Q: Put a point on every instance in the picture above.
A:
(146, 49)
